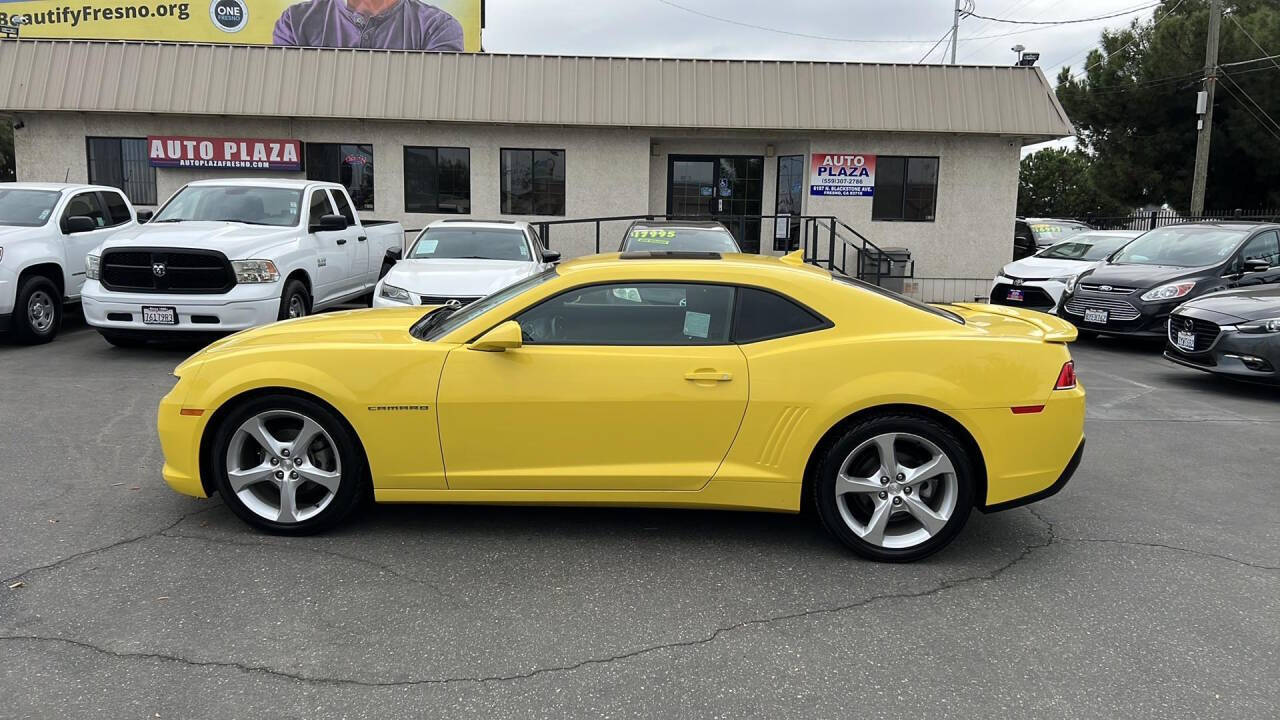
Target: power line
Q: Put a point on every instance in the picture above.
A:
(945, 35)
(1257, 59)
(1255, 42)
(1126, 46)
(809, 36)
(1249, 97)
(1064, 22)
(1252, 113)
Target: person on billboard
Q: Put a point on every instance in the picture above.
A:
(376, 24)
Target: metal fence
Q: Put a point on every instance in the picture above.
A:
(1160, 218)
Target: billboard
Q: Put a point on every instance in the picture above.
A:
(231, 153)
(848, 174)
(444, 25)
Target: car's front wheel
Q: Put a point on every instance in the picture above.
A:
(895, 488)
(287, 465)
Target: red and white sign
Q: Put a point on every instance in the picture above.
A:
(842, 174)
(230, 153)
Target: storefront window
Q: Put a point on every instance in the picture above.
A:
(123, 163)
(906, 188)
(437, 180)
(349, 165)
(533, 182)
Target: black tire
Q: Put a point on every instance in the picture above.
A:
(834, 456)
(37, 290)
(122, 340)
(294, 291)
(353, 488)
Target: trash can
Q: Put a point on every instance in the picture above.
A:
(894, 264)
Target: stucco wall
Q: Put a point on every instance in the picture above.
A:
(608, 172)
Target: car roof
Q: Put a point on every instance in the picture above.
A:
(489, 224)
(1056, 220)
(1230, 224)
(653, 260)
(1106, 233)
(285, 183)
(714, 224)
(52, 186)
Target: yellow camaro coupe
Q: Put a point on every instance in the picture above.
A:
(653, 379)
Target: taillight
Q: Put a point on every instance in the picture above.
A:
(1067, 376)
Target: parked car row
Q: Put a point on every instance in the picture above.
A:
(1211, 290)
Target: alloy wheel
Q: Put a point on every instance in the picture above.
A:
(283, 466)
(41, 311)
(896, 490)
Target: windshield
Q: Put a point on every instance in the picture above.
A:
(1052, 232)
(477, 243)
(1085, 246)
(669, 239)
(442, 321)
(931, 309)
(1185, 246)
(26, 208)
(232, 203)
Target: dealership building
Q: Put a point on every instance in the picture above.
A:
(923, 157)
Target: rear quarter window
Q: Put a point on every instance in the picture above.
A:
(763, 315)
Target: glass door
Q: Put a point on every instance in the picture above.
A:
(728, 188)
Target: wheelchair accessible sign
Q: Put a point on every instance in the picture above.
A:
(844, 174)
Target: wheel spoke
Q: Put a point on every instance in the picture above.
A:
(310, 429)
(931, 521)
(938, 465)
(288, 502)
(328, 479)
(257, 430)
(846, 484)
(241, 479)
(888, 457)
(874, 531)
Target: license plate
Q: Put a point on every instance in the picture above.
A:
(1015, 295)
(1095, 316)
(159, 315)
(1185, 341)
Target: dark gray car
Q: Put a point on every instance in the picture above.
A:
(1234, 333)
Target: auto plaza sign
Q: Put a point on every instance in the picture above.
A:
(842, 174)
(230, 153)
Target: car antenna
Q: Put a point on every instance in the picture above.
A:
(67, 177)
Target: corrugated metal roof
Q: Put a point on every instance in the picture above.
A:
(137, 77)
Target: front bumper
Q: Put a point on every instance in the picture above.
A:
(1126, 314)
(1041, 295)
(243, 307)
(1244, 356)
(180, 442)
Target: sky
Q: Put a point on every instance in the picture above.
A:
(654, 28)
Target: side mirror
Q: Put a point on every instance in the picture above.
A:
(394, 255)
(79, 224)
(144, 215)
(550, 256)
(329, 223)
(1251, 265)
(506, 336)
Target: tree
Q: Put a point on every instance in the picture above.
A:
(1133, 105)
(1060, 183)
(8, 166)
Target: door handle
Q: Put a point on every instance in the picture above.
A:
(342, 241)
(362, 238)
(708, 376)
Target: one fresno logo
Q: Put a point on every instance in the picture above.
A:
(229, 15)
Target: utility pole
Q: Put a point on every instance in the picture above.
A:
(1200, 178)
(955, 31)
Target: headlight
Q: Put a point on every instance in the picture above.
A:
(1270, 325)
(391, 292)
(1070, 280)
(255, 271)
(91, 267)
(1170, 291)
(1, 254)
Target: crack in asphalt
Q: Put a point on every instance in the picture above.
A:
(110, 546)
(715, 634)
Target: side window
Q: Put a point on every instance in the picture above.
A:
(1263, 247)
(537, 239)
(763, 315)
(344, 207)
(319, 206)
(86, 204)
(632, 314)
(117, 209)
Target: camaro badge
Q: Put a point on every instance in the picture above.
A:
(383, 408)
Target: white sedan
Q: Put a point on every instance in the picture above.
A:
(1038, 282)
(462, 261)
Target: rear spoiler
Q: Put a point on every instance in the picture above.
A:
(1051, 328)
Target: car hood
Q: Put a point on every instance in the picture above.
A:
(1141, 277)
(1255, 303)
(458, 277)
(1034, 267)
(235, 240)
(13, 233)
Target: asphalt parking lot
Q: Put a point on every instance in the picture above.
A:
(1150, 587)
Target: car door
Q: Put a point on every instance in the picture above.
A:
(1263, 246)
(628, 386)
(357, 243)
(330, 248)
(1024, 243)
(77, 245)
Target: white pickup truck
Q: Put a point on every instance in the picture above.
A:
(225, 255)
(46, 229)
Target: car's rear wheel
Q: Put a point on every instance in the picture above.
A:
(287, 465)
(895, 488)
